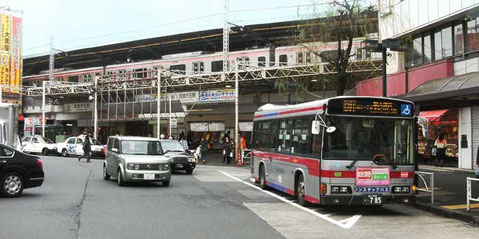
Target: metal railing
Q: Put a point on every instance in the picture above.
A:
(429, 189)
(469, 192)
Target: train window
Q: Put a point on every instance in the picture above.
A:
(243, 62)
(216, 66)
(283, 60)
(58, 79)
(198, 67)
(308, 56)
(140, 73)
(299, 58)
(73, 79)
(261, 61)
(179, 69)
(86, 78)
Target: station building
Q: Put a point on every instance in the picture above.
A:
(440, 72)
(268, 55)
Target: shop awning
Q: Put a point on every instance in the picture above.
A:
(432, 115)
(461, 85)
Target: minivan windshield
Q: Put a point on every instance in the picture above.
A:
(141, 147)
(172, 146)
(386, 140)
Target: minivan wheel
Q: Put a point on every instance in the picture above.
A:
(189, 171)
(120, 179)
(166, 183)
(45, 151)
(64, 153)
(12, 185)
(105, 173)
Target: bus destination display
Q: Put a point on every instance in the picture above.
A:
(369, 106)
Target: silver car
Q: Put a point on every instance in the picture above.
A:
(136, 159)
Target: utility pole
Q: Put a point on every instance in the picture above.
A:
(52, 61)
(237, 137)
(158, 105)
(95, 109)
(43, 108)
(226, 40)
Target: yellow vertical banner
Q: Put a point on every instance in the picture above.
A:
(16, 62)
(5, 49)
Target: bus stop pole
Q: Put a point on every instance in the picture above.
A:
(95, 109)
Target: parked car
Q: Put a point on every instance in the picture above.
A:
(180, 159)
(38, 144)
(74, 146)
(136, 159)
(18, 171)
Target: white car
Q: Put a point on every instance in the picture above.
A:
(38, 144)
(74, 146)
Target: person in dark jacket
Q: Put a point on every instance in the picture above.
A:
(203, 149)
(228, 150)
(86, 149)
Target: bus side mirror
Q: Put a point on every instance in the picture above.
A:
(315, 127)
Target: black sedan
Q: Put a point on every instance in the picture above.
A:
(180, 159)
(18, 171)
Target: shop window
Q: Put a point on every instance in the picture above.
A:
(473, 35)
(446, 40)
(427, 48)
(261, 61)
(216, 66)
(458, 39)
(416, 51)
(437, 46)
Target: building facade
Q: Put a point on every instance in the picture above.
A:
(439, 72)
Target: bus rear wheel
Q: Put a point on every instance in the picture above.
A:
(301, 191)
(262, 178)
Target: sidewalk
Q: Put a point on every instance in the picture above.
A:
(449, 193)
(215, 157)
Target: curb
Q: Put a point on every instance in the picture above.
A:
(465, 217)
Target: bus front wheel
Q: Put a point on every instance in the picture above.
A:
(262, 177)
(301, 190)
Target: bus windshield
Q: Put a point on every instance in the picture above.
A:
(385, 141)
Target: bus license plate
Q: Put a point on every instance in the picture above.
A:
(372, 199)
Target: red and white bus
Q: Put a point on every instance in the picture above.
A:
(337, 151)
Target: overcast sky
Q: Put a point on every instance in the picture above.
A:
(84, 23)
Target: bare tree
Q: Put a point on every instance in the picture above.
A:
(345, 21)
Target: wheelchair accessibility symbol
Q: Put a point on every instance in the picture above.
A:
(406, 109)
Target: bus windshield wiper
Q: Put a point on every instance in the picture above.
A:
(352, 164)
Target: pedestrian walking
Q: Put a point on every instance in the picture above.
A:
(243, 146)
(477, 163)
(203, 149)
(86, 149)
(228, 151)
(440, 144)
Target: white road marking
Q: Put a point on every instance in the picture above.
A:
(345, 223)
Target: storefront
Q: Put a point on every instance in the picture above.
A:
(431, 124)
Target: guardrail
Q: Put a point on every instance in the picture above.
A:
(469, 192)
(429, 189)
